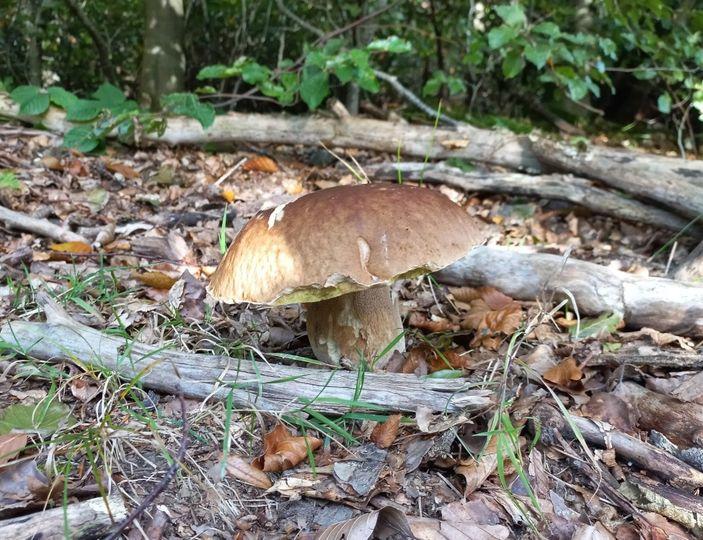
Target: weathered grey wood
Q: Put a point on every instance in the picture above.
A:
(256, 384)
(490, 146)
(691, 269)
(85, 519)
(553, 186)
(663, 304)
(649, 356)
(676, 182)
(648, 456)
(42, 227)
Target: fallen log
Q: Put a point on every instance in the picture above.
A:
(254, 384)
(466, 142)
(658, 461)
(663, 304)
(648, 356)
(81, 520)
(674, 182)
(563, 187)
(42, 227)
(691, 269)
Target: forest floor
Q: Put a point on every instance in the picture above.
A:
(152, 219)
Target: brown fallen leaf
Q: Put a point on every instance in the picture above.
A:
(52, 163)
(293, 186)
(283, 450)
(607, 407)
(383, 435)
(83, 390)
(261, 164)
(418, 320)
(491, 315)
(71, 247)
(76, 167)
(11, 445)
(384, 523)
(122, 168)
(156, 280)
(477, 471)
(566, 374)
(228, 194)
(242, 470)
(449, 359)
(21, 485)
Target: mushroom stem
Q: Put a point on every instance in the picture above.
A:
(355, 326)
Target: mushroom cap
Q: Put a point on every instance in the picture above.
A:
(340, 240)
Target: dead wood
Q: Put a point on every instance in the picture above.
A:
(85, 519)
(649, 356)
(691, 269)
(663, 304)
(42, 227)
(647, 456)
(675, 182)
(563, 187)
(680, 421)
(254, 384)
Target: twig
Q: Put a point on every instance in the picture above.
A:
(165, 481)
(412, 98)
(43, 227)
(302, 22)
(102, 47)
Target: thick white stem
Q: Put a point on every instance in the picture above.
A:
(355, 326)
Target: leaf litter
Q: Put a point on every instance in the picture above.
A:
(152, 221)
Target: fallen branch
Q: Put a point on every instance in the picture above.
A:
(691, 269)
(43, 227)
(554, 186)
(644, 355)
(675, 182)
(260, 385)
(663, 304)
(646, 455)
(85, 519)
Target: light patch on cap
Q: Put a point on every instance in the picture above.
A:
(364, 255)
(276, 215)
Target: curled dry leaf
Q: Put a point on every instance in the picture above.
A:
(383, 435)
(476, 471)
(449, 359)
(21, 484)
(283, 450)
(122, 168)
(52, 163)
(71, 247)
(83, 390)
(156, 280)
(418, 320)
(261, 164)
(384, 523)
(242, 470)
(11, 445)
(566, 374)
(490, 315)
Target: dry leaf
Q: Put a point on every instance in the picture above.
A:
(565, 374)
(293, 186)
(83, 390)
(261, 164)
(283, 450)
(71, 247)
(76, 167)
(658, 338)
(449, 359)
(243, 471)
(156, 280)
(492, 314)
(387, 522)
(228, 194)
(22, 484)
(418, 320)
(476, 471)
(52, 163)
(122, 168)
(383, 435)
(11, 445)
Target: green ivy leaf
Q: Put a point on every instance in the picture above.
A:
(188, 105)
(254, 73)
(44, 418)
(218, 71)
(664, 103)
(82, 138)
(577, 88)
(513, 63)
(606, 324)
(512, 14)
(538, 54)
(83, 110)
(109, 95)
(314, 86)
(36, 105)
(548, 29)
(21, 94)
(61, 97)
(501, 35)
(391, 44)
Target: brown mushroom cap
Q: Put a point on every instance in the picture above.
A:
(340, 240)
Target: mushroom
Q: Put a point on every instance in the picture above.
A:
(337, 251)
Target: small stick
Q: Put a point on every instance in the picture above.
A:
(165, 481)
(44, 227)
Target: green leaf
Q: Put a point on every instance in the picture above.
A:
(664, 103)
(254, 73)
(538, 54)
(61, 97)
(218, 71)
(512, 14)
(513, 63)
(577, 88)
(83, 110)
(44, 418)
(392, 44)
(314, 86)
(188, 105)
(433, 85)
(22, 94)
(8, 180)
(82, 138)
(645, 74)
(605, 324)
(109, 95)
(548, 29)
(500, 36)
(36, 105)
(344, 72)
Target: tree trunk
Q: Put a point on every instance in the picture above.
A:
(34, 61)
(163, 62)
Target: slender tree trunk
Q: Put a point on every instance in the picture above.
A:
(34, 44)
(163, 62)
(98, 40)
